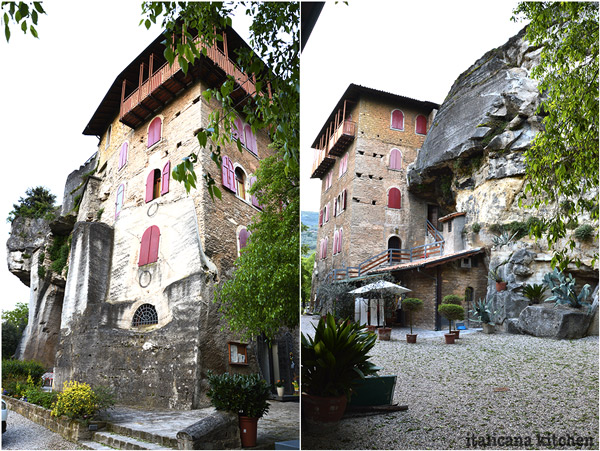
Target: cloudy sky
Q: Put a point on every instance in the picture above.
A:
(51, 86)
(414, 49)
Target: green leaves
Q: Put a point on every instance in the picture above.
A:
(21, 13)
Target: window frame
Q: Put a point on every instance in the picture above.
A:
(392, 119)
(119, 207)
(149, 246)
(417, 125)
(389, 200)
(160, 131)
(123, 155)
(398, 166)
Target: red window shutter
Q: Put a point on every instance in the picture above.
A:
(397, 120)
(345, 163)
(327, 212)
(320, 218)
(166, 174)
(249, 139)
(340, 236)
(335, 241)
(243, 237)
(123, 155)
(395, 159)
(119, 201)
(344, 199)
(227, 174)
(239, 127)
(421, 127)
(150, 186)
(254, 199)
(394, 198)
(145, 247)
(154, 131)
(325, 248)
(154, 241)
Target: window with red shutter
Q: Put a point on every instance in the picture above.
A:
(340, 237)
(395, 159)
(397, 120)
(150, 181)
(421, 125)
(325, 248)
(254, 199)
(166, 175)
(227, 174)
(154, 131)
(320, 218)
(344, 199)
(243, 238)
(149, 246)
(335, 242)
(394, 198)
(119, 201)
(123, 154)
(250, 139)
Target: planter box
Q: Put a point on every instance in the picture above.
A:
(374, 391)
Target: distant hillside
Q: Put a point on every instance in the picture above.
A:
(309, 237)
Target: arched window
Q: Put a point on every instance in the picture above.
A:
(395, 159)
(157, 182)
(154, 131)
(243, 236)
(119, 201)
(394, 198)
(397, 120)
(149, 246)
(421, 125)
(394, 242)
(123, 154)
(145, 315)
(240, 182)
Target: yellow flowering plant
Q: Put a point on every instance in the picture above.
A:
(77, 400)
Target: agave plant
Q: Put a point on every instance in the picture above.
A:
(563, 290)
(503, 239)
(336, 357)
(534, 292)
(483, 312)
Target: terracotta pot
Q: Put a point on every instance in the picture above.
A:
(456, 333)
(450, 338)
(488, 328)
(385, 333)
(500, 286)
(371, 328)
(280, 391)
(323, 409)
(248, 431)
(411, 338)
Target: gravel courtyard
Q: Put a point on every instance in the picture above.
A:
(499, 387)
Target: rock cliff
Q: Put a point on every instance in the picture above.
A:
(473, 161)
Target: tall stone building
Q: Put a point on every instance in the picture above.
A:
(135, 309)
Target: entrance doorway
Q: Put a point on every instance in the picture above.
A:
(395, 242)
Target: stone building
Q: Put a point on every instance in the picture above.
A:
(134, 309)
(428, 213)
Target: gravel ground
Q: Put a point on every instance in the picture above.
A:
(22, 433)
(545, 388)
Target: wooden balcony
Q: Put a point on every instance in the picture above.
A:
(341, 138)
(323, 161)
(167, 81)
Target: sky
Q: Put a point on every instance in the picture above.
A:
(51, 86)
(414, 49)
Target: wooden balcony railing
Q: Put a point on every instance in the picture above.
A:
(322, 162)
(342, 137)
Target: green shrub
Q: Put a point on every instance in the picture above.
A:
(244, 394)
(412, 305)
(36, 395)
(21, 369)
(476, 227)
(38, 203)
(534, 292)
(77, 400)
(584, 232)
(451, 312)
(495, 228)
(452, 299)
(59, 253)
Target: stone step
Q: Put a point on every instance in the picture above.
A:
(118, 441)
(144, 436)
(88, 444)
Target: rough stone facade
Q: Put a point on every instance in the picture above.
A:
(163, 364)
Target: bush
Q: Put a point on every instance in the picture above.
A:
(452, 299)
(36, 395)
(21, 369)
(77, 400)
(534, 292)
(239, 393)
(412, 305)
(38, 203)
(451, 312)
(584, 232)
(476, 227)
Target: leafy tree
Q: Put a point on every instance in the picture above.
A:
(308, 264)
(20, 14)
(263, 293)
(38, 203)
(562, 163)
(13, 324)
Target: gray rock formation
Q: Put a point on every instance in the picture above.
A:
(554, 321)
(26, 236)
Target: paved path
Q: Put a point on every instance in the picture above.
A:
(22, 433)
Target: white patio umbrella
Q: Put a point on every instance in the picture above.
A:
(380, 287)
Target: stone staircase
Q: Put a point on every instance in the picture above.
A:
(119, 437)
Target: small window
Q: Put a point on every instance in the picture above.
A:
(450, 226)
(157, 182)
(154, 131)
(394, 198)
(397, 120)
(149, 246)
(228, 174)
(119, 201)
(421, 125)
(253, 198)
(123, 155)
(108, 134)
(343, 165)
(145, 315)
(335, 242)
(240, 182)
(395, 159)
(238, 353)
(243, 236)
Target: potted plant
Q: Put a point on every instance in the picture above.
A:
(484, 315)
(279, 387)
(333, 360)
(385, 333)
(411, 305)
(456, 300)
(451, 312)
(495, 276)
(243, 394)
(534, 292)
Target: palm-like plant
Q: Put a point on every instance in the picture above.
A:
(336, 357)
(534, 292)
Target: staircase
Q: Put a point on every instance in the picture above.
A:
(392, 257)
(119, 437)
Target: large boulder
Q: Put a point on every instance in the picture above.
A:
(554, 322)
